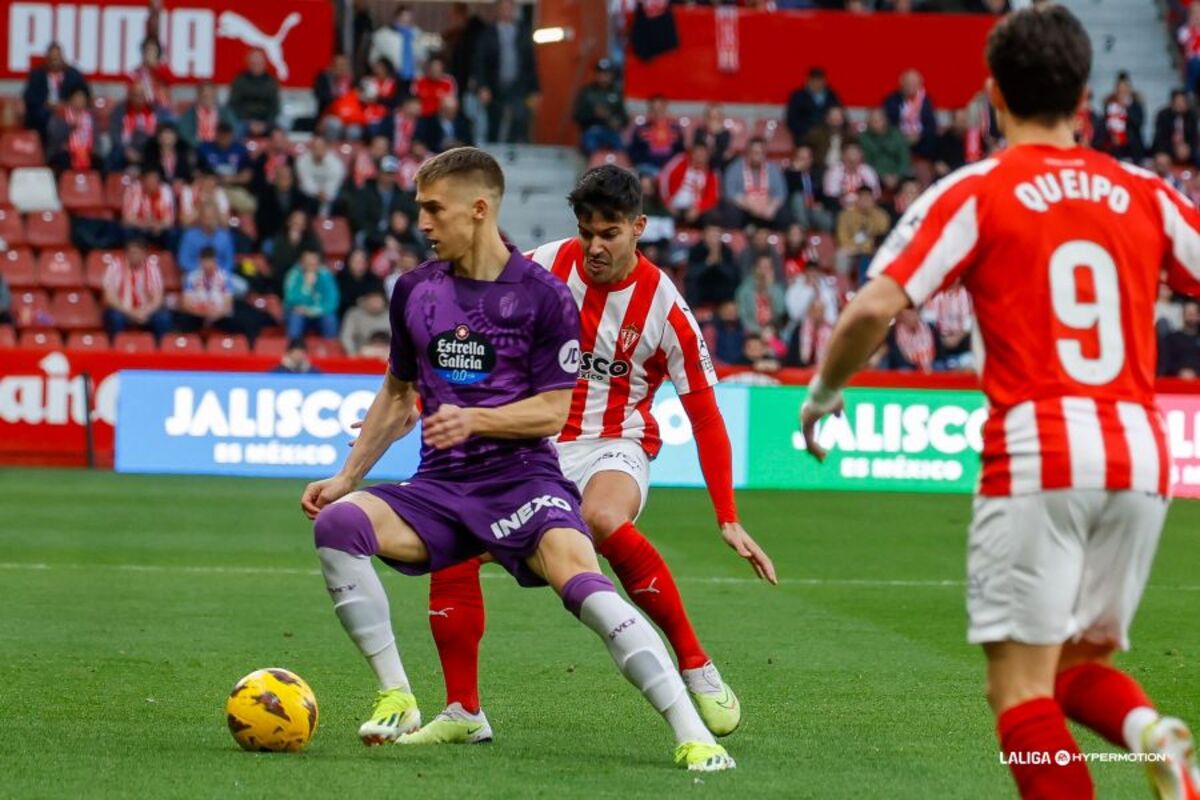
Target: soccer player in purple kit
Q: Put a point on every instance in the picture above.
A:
(489, 342)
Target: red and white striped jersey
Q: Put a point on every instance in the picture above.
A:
(1062, 253)
(634, 334)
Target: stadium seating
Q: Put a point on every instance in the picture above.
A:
(20, 149)
(87, 340)
(182, 343)
(172, 281)
(48, 229)
(776, 137)
(40, 340)
(33, 189)
(114, 189)
(75, 310)
(12, 228)
(4, 188)
(267, 345)
(80, 190)
(269, 304)
(134, 342)
(31, 308)
(96, 265)
(8, 337)
(324, 348)
(334, 235)
(228, 344)
(17, 267)
(58, 269)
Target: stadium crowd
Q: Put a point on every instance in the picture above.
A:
(212, 221)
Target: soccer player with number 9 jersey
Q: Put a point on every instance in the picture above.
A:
(1061, 249)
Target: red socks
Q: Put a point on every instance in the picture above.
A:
(456, 619)
(650, 585)
(1100, 697)
(1035, 731)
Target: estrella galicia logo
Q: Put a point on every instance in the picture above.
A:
(460, 356)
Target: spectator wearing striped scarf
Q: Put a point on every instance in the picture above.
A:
(910, 109)
(72, 137)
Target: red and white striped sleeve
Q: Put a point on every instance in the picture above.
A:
(689, 365)
(933, 242)
(1181, 225)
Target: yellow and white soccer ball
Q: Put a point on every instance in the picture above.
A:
(272, 709)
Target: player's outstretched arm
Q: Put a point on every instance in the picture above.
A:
(391, 416)
(716, 462)
(534, 417)
(860, 330)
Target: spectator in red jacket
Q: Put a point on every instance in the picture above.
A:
(656, 140)
(688, 185)
(435, 84)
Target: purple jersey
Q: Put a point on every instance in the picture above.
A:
(483, 344)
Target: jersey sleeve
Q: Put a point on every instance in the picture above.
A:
(688, 363)
(1181, 225)
(402, 360)
(933, 243)
(555, 354)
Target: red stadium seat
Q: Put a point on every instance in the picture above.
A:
(96, 265)
(8, 336)
(12, 228)
(12, 113)
(79, 190)
(103, 108)
(31, 309)
(172, 281)
(17, 267)
(334, 233)
(182, 343)
(228, 344)
(686, 239)
(40, 340)
(60, 269)
(269, 304)
(87, 340)
(603, 157)
(134, 342)
(325, 348)
(114, 189)
(48, 229)
(4, 188)
(270, 345)
(739, 134)
(776, 136)
(245, 224)
(826, 249)
(21, 149)
(736, 239)
(75, 310)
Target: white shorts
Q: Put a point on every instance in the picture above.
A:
(1059, 566)
(581, 459)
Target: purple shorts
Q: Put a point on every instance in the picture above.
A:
(504, 515)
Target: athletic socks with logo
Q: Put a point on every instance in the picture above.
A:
(649, 583)
(345, 543)
(637, 650)
(456, 619)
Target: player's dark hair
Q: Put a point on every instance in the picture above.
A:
(1040, 58)
(469, 162)
(608, 190)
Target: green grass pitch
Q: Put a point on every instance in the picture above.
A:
(132, 604)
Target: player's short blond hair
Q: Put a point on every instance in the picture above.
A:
(463, 162)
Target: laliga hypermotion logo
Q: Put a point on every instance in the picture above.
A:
(231, 25)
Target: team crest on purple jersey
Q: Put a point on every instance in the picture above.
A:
(508, 304)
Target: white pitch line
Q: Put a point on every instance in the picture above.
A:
(195, 569)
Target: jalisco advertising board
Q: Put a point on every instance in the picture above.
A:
(299, 425)
(202, 39)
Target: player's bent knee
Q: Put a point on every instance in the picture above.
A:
(347, 527)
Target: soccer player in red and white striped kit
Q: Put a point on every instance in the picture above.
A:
(1061, 249)
(637, 331)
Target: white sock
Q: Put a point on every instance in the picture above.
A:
(362, 606)
(1136, 722)
(644, 661)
